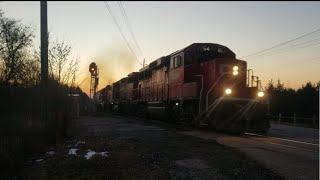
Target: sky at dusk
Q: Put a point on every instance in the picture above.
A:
(161, 28)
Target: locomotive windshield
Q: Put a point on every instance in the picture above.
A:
(203, 53)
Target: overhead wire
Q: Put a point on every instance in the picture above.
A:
(119, 28)
(281, 44)
(124, 14)
(307, 43)
(288, 66)
(284, 67)
(296, 46)
(291, 48)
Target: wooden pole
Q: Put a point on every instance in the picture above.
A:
(44, 67)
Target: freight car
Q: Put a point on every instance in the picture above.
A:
(202, 84)
(103, 98)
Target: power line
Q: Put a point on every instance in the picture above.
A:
(287, 66)
(284, 67)
(129, 26)
(295, 47)
(281, 44)
(119, 28)
(312, 40)
(310, 45)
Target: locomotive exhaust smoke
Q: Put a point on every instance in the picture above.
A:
(113, 64)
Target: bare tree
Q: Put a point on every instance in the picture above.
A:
(17, 66)
(15, 39)
(30, 74)
(69, 75)
(61, 66)
(59, 53)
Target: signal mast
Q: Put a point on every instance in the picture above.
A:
(93, 69)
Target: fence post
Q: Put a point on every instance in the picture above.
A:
(77, 112)
(313, 120)
(294, 119)
(279, 118)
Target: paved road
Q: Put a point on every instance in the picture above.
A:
(295, 133)
(293, 152)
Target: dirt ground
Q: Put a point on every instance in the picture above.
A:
(139, 150)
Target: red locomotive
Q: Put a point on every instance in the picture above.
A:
(202, 84)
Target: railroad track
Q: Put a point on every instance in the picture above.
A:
(162, 123)
(284, 142)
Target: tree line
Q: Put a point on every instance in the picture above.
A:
(304, 101)
(20, 59)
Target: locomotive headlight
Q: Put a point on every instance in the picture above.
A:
(177, 104)
(228, 91)
(260, 94)
(235, 68)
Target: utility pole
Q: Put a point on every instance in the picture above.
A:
(44, 45)
(44, 61)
